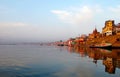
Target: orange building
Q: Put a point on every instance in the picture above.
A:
(117, 29)
(95, 34)
(108, 29)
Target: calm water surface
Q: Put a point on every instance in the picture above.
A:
(52, 61)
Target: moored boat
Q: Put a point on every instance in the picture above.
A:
(60, 44)
(102, 45)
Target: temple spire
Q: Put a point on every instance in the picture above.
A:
(95, 30)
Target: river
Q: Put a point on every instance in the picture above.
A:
(55, 61)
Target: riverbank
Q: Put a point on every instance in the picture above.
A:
(113, 39)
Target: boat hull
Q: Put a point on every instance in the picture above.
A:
(101, 46)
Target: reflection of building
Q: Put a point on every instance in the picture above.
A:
(95, 55)
(82, 52)
(118, 63)
(70, 49)
(110, 58)
(116, 55)
(109, 65)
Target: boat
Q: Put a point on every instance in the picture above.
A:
(102, 45)
(60, 44)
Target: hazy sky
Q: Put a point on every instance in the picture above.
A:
(49, 20)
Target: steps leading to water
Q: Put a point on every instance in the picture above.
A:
(113, 39)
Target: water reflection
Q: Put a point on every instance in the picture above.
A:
(110, 58)
(50, 61)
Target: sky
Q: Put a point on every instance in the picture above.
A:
(54, 20)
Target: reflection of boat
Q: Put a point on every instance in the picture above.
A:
(102, 45)
(106, 50)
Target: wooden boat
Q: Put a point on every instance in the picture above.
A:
(105, 50)
(60, 44)
(102, 45)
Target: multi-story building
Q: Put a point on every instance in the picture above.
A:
(108, 29)
(117, 29)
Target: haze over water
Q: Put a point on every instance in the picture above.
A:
(54, 61)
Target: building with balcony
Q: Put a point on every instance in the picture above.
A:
(108, 29)
(117, 29)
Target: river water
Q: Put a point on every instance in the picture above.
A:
(54, 61)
